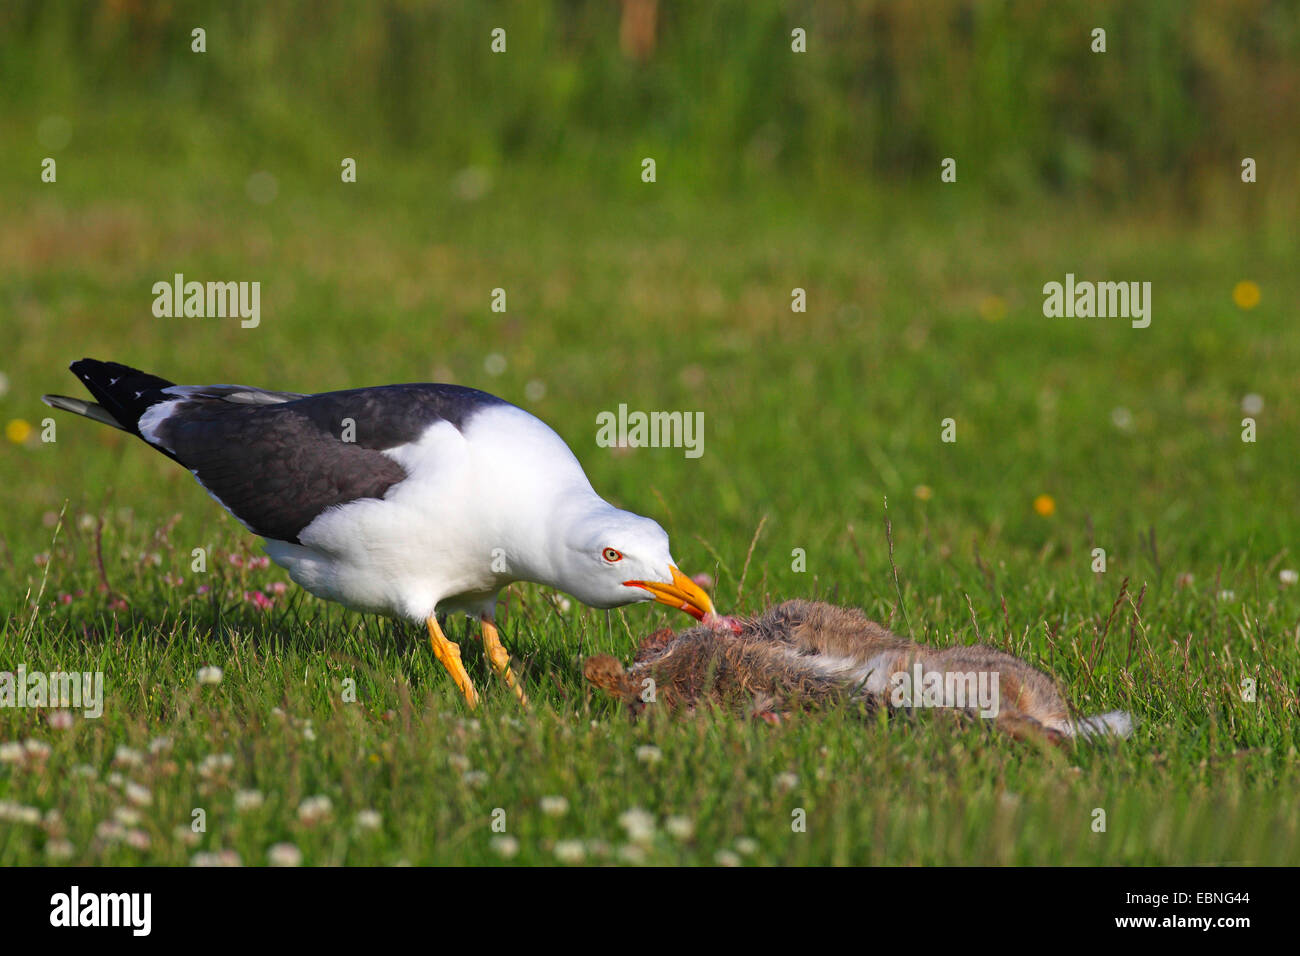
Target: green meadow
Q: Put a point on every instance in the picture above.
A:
(824, 472)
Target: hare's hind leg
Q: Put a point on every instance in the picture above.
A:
(1021, 726)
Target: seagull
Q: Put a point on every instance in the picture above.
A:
(411, 501)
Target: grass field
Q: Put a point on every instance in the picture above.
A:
(923, 305)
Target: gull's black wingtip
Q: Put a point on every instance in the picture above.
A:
(124, 392)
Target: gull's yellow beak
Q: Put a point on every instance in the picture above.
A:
(681, 593)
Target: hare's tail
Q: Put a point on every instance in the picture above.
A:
(1115, 723)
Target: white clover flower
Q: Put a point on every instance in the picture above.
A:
(505, 846)
(315, 808)
(59, 849)
(554, 806)
(12, 752)
(284, 854)
(211, 675)
(216, 764)
(160, 745)
(219, 858)
(126, 816)
(649, 754)
(631, 853)
(1288, 576)
(18, 813)
(36, 749)
(138, 794)
(60, 719)
(726, 858)
(110, 830)
(248, 799)
(475, 778)
(369, 820)
(746, 846)
(639, 824)
(785, 782)
(126, 757)
(137, 840)
(680, 828)
(570, 851)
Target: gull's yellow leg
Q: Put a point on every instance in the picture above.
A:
(500, 659)
(448, 655)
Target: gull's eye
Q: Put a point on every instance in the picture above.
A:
(612, 556)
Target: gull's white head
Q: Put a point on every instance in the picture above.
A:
(612, 557)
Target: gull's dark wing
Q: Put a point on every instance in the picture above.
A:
(276, 460)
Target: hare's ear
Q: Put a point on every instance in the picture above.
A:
(654, 643)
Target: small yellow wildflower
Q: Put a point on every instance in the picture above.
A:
(1045, 505)
(17, 431)
(1245, 294)
(993, 308)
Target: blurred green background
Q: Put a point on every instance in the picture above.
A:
(1183, 90)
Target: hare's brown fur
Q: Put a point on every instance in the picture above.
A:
(806, 655)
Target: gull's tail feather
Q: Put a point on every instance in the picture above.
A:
(83, 408)
(1114, 723)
